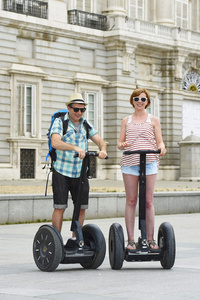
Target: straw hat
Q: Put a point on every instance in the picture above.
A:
(76, 98)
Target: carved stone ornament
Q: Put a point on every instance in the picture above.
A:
(191, 82)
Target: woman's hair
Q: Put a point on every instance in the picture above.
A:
(136, 93)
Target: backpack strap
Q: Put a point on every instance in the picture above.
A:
(87, 128)
(65, 124)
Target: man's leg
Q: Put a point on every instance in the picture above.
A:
(57, 218)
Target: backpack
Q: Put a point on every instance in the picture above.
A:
(52, 151)
(59, 114)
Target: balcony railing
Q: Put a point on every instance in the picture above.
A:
(86, 19)
(33, 8)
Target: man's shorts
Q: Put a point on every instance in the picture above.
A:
(62, 185)
(151, 169)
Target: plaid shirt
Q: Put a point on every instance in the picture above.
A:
(65, 163)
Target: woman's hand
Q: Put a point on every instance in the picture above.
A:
(123, 145)
(162, 149)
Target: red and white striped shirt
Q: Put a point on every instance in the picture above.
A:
(141, 137)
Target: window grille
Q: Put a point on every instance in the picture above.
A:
(27, 163)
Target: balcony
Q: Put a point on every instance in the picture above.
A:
(32, 8)
(86, 19)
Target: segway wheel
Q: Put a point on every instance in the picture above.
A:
(116, 246)
(94, 239)
(166, 242)
(47, 248)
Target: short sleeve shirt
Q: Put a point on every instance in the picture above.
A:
(66, 164)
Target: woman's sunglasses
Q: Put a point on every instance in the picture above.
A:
(143, 99)
(76, 109)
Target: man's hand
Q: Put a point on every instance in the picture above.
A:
(81, 152)
(102, 154)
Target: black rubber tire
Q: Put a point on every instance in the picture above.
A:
(47, 248)
(116, 246)
(166, 242)
(94, 238)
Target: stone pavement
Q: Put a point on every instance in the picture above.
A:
(21, 280)
(38, 186)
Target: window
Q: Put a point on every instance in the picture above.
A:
(85, 5)
(26, 110)
(181, 13)
(90, 112)
(136, 9)
(94, 111)
(154, 109)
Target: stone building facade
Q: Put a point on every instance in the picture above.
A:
(103, 49)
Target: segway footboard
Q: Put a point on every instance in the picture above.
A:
(79, 255)
(137, 255)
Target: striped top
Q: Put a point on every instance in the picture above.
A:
(141, 136)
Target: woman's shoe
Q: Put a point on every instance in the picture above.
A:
(153, 245)
(131, 245)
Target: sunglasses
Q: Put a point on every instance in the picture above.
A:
(143, 99)
(76, 109)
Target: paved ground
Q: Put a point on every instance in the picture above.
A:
(38, 187)
(21, 280)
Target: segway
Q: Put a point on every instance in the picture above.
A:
(88, 248)
(166, 238)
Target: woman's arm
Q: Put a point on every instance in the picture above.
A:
(158, 136)
(122, 138)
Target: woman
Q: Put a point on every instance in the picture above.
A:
(140, 131)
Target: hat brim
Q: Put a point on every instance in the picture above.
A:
(76, 101)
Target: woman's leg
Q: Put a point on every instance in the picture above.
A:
(150, 213)
(131, 187)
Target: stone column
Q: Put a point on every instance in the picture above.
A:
(165, 12)
(115, 7)
(189, 158)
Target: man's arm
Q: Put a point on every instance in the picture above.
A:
(101, 145)
(57, 143)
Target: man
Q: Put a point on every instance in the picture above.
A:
(67, 169)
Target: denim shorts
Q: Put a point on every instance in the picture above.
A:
(151, 169)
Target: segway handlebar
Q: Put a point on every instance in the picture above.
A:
(90, 153)
(141, 152)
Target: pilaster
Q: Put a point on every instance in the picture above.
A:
(57, 11)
